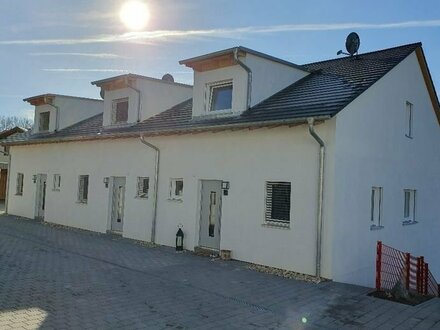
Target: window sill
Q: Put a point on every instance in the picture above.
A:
(81, 202)
(141, 197)
(409, 222)
(176, 200)
(276, 225)
(375, 227)
(18, 194)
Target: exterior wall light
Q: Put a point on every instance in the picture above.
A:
(106, 180)
(179, 239)
(225, 188)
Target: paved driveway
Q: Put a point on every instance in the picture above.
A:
(54, 278)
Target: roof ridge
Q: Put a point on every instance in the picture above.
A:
(418, 44)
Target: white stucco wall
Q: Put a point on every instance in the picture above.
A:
(372, 150)
(156, 96)
(247, 159)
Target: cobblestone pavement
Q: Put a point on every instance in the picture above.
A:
(57, 278)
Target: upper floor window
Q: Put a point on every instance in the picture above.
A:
(43, 121)
(409, 120)
(120, 111)
(220, 96)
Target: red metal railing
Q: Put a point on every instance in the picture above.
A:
(393, 266)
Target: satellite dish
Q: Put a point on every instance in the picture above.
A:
(352, 43)
(168, 77)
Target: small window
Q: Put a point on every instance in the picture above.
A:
(83, 188)
(19, 186)
(409, 120)
(409, 206)
(120, 111)
(56, 182)
(376, 206)
(176, 188)
(143, 185)
(278, 202)
(221, 97)
(43, 123)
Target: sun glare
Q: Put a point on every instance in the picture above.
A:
(135, 15)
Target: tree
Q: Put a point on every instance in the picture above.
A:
(8, 122)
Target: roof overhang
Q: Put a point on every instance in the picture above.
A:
(117, 82)
(224, 58)
(428, 81)
(40, 99)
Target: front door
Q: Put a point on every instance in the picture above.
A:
(118, 197)
(210, 213)
(41, 195)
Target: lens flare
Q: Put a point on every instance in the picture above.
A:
(135, 15)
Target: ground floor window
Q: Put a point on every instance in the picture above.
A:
(278, 202)
(56, 182)
(143, 186)
(83, 188)
(19, 185)
(176, 189)
(409, 207)
(376, 206)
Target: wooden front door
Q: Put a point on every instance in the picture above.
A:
(3, 180)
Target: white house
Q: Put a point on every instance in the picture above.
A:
(301, 167)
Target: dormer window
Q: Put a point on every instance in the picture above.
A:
(120, 111)
(220, 96)
(43, 121)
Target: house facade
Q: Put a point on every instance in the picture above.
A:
(300, 167)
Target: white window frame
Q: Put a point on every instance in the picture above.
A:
(173, 195)
(211, 88)
(56, 182)
(409, 120)
(81, 190)
(268, 204)
(40, 129)
(114, 108)
(409, 205)
(376, 211)
(19, 184)
(140, 187)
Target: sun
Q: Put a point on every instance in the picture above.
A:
(135, 15)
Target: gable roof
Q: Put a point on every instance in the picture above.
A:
(328, 89)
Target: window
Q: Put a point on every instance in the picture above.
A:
(221, 97)
(83, 188)
(376, 206)
(19, 186)
(409, 120)
(409, 205)
(143, 185)
(278, 202)
(120, 111)
(43, 123)
(56, 182)
(176, 188)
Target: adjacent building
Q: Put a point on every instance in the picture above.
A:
(300, 167)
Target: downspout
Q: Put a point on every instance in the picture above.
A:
(156, 186)
(7, 183)
(312, 132)
(139, 101)
(57, 111)
(249, 79)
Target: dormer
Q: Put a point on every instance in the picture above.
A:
(230, 81)
(54, 112)
(131, 98)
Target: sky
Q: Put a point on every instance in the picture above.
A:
(60, 46)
